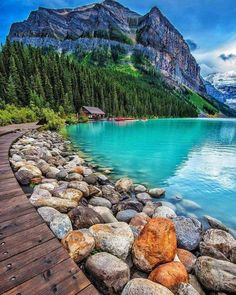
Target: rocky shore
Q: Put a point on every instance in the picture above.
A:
(126, 240)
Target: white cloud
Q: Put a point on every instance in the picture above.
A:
(211, 62)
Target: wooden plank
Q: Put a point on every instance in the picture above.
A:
(24, 240)
(30, 263)
(18, 224)
(46, 283)
(90, 290)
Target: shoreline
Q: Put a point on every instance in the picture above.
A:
(98, 220)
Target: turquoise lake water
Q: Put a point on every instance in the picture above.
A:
(192, 158)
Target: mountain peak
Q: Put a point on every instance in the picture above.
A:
(155, 10)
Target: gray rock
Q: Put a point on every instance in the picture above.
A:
(61, 225)
(145, 287)
(48, 213)
(149, 208)
(215, 223)
(165, 212)
(233, 255)
(115, 238)
(196, 285)
(111, 194)
(140, 189)
(186, 289)
(91, 179)
(98, 201)
(143, 197)
(168, 204)
(74, 176)
(52, 172)
(109, 273)
(124, 185)
(106, 214)
(26, 173)
(216, 275)
(188, 232)
(62, 175)
(80, 185)
(126, 215)
(190, 205)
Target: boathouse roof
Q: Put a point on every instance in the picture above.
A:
(94, 110)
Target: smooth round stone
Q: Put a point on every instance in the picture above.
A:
(168, 204)
(143, 197)
(61, 226)
(157, 192)
(140, 189)
(164, 211)
(98, 201)
(126, 215)
(190, 205)
(124, 185)
(61, 175)
(74, 176)
(48, 213)
(106, 214)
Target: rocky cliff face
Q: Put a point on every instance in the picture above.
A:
(111, 22)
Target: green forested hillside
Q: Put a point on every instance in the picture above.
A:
(43, 78)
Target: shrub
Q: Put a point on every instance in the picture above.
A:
(53, 121)
(83, 119)
(71, 119)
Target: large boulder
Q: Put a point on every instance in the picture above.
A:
(216, 275)
(84, 217)
(39, 199)
(165, 212)
(169, 275)
(81, 186)
(48, 213)
(124, 185)
(109, 273)
(106, 214)
(71, 194)
(26, 173)
(61, 225)
(126, 215)
(217, 240)
(186, 289)
(101, 202)
(155, 245)
(156, 192)
(79, 244)
(115, 238)
(145, 287)
(109, 193)
(188, 232)
(187, 258)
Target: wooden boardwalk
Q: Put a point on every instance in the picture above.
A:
(32, 260)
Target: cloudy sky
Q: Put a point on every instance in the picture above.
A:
(208, 25)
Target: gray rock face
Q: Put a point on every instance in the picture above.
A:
(126, 215)
(109, 273)
(64, 29)
(186, 289)
(145, 287)
(48, 213)
(216, 275)
(188, 232)
(98, 201)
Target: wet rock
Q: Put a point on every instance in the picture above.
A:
(149, 208)
(216, 275)
(102, 179)
(165, 212)
(129, 204)
(109, 273)
(218, 241)
(52, 172)
(48, 213)
(215, 223)
(98, 201)
(91, 179)
(145, 287)
(84, 217)
(187, 258)
(88, 171)
(155, 245)
(168, 204)
(143, 197)
(190, 205)
(80, 185)
(106, 214)
(61, 225)
(156, 192)
(126, 215)
(109, 193)
(124, 185)
(139, 221)
(196, 285)
(74, 177)
(169, 275)
(79, 244)
(26, 173)
(140, 189)
(188, 232)
(115, 238)
(186, 289)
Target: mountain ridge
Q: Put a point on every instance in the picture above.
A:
(156, 36)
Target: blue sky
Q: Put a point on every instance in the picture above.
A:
(210, 25)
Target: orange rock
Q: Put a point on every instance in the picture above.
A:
(36, 180)
(169, 275)
(187, 258)
(79, 169)
(155, 245)
(79, 244)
